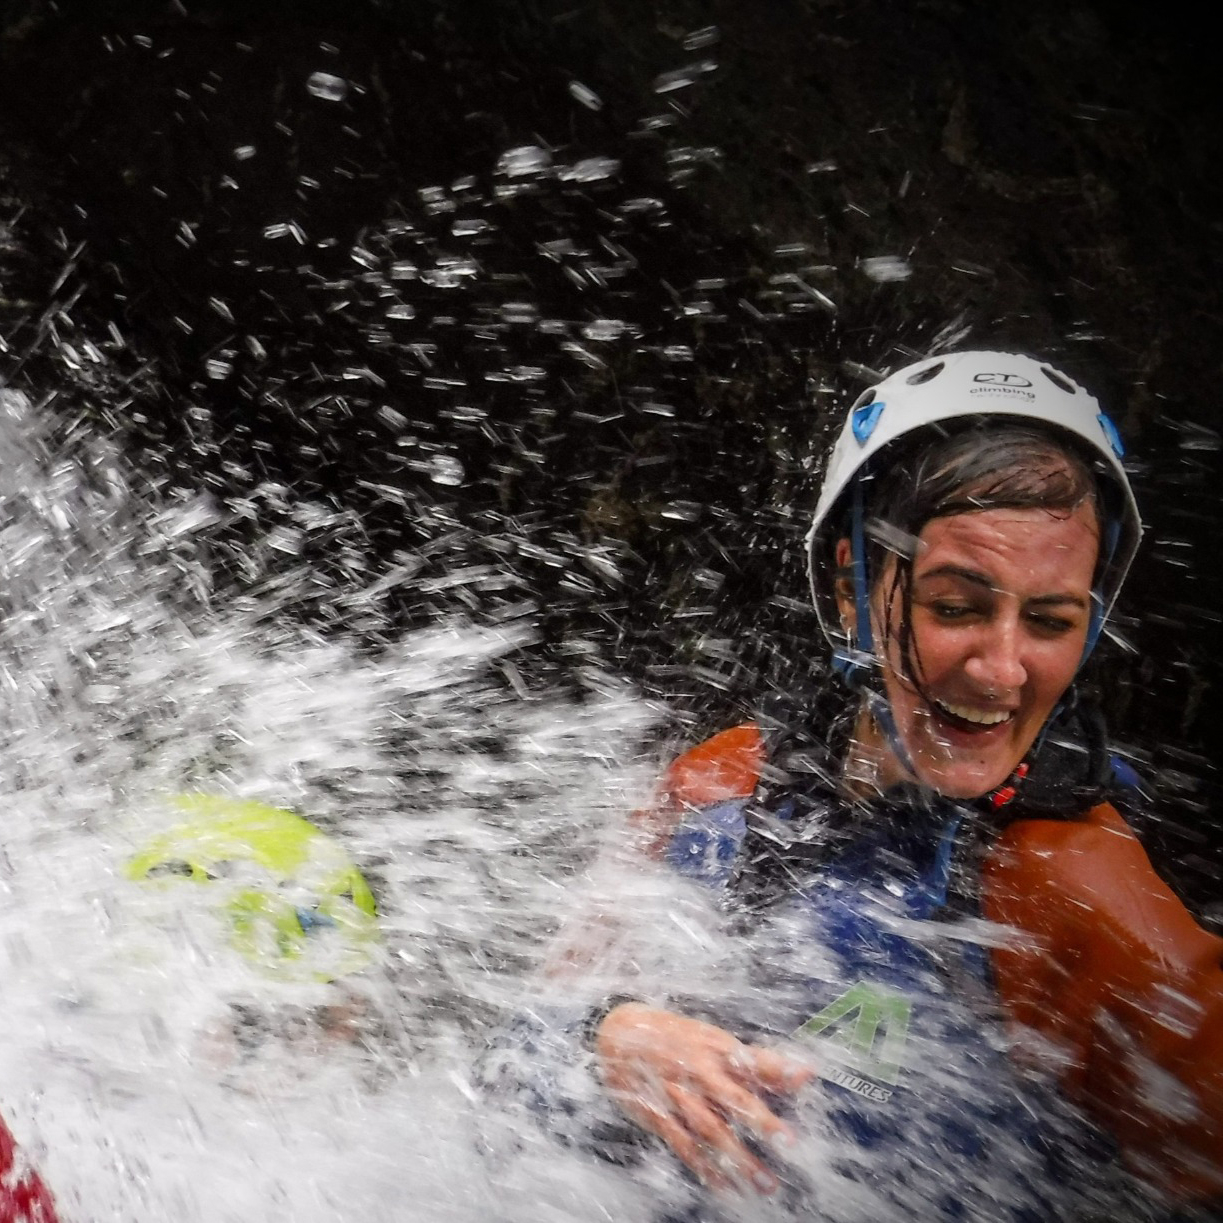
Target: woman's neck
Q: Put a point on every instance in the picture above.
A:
(870, 766)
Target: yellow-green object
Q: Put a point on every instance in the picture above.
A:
(298, 907)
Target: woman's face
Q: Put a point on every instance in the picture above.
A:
(1000, 610)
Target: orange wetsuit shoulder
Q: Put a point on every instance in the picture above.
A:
(1112, 967)
(723, 767)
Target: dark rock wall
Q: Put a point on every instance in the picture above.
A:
(633, 350)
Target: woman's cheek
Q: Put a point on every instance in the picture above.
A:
(937, 647)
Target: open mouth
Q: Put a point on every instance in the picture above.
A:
(966, 718)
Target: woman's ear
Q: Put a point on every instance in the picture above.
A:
(844, 584)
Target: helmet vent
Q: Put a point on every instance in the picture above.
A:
(925, 375)
(1059, 380)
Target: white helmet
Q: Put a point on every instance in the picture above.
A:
(957, 386)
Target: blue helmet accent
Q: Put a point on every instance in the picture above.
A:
(1111, 432)
(865, 419)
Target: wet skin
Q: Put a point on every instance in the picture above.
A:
(1000, 613)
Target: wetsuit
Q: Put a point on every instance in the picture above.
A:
(866, 927)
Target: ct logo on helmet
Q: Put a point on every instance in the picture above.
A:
(1002, 379)
(294, 903)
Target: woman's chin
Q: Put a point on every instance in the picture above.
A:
(962, 779)
(960, 761)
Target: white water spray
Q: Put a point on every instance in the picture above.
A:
(148, 1069)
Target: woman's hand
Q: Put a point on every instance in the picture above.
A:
(692, 1084)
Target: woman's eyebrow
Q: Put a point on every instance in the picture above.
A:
(981, 579)
(1049, 600)
(958, 571)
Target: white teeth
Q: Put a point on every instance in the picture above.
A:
(980, 716)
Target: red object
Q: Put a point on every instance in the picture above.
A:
(23, 1196)
(1115, 971)
(1005, 794)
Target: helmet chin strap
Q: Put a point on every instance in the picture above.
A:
(854, 662)
(1095, 626)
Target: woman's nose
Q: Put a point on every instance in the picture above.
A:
(997, 665)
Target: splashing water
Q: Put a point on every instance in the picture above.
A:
(153, 1072)
(150, 1070)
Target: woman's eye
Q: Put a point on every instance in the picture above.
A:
(951, 611)
(1052, 624)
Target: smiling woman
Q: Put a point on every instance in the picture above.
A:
(990, 639)
(987, 547)
(974, 528)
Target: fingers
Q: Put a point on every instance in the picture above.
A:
(695, 1121)
(698, 1089)
(720, 1150)
(772, 1071)
(749, 1111)
(683, 1144)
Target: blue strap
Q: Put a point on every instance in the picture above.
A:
(855, 672)
(1095, 624)
(930, 894)
(862, 594)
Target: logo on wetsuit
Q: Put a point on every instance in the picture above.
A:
(863, 1034)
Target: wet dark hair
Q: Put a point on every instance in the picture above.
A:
(984, 466)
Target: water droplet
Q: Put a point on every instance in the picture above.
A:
(590, 170)
(698, 40)
(445, 469)
(450, 273)
(285, 229)
(527, 159)
(519, 312)
(585, 95)
(605, 329)
(396, 419)
(682, 511)
(885, 268)
(680, 78)
(436, 201)
(329, 88)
